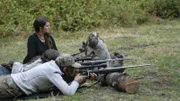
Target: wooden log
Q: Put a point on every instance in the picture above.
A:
(121, 82)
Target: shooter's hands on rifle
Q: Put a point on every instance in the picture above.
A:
(93, 76)
(80, 79)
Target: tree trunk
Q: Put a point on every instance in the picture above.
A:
(121, 82)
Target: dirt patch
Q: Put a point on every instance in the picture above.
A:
(133, 46)
(136, 46)
(155, 83)
(127, 38)
(158, 80)
(150, 73)
(161, 83)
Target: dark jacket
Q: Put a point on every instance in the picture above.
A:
(36, 48)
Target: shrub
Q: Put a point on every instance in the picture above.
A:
(17, 16)
(167, 8)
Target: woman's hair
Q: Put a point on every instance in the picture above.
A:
(41, 22)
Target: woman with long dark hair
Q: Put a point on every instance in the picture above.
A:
(39, 41)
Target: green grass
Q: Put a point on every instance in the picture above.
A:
(158, 45)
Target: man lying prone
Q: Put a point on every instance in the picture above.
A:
(16, 67)
(42, 78)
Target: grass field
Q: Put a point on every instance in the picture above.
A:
(158, 45)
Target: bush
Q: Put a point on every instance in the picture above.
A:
(167, 8)
(17, 16)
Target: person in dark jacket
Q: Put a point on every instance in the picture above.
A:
(39, 41)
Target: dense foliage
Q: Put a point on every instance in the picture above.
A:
(17, 16)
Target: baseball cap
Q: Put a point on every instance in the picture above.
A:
(67, 60)
(93, 39)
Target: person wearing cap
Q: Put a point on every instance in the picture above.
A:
(98, 47)
(42, 78)
(15, 67)
(98, 50)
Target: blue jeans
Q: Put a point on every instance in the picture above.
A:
(4, 70)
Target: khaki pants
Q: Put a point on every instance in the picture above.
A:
(8, 89)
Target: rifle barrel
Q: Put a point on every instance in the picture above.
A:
(76, 54)
(103, 61)
(92, 66)
(114, 69)
(83, 59)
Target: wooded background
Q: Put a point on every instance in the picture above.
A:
(17, 16)
(146, 30)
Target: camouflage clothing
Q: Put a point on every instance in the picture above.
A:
(8, 88)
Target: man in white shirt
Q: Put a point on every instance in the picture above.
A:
(42, 78)
(16, 67)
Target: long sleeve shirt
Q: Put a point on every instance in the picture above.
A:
(35, 47)
(42, 78)
(19, 67)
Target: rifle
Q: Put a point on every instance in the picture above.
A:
(93, 66)
(76, 54)
(109, 69)
(83, 49)
(103, 61)
(82, 59)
